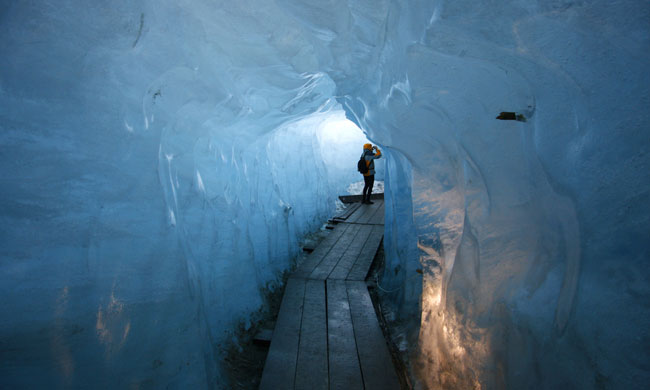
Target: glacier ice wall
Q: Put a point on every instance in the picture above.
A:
(530, 234)
(154, 184)
(154, 180)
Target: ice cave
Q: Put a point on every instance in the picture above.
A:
(163, 160)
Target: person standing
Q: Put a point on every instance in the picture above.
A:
(370, 154)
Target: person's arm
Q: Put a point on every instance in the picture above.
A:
(378, 154)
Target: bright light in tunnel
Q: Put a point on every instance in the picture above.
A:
(341, 131)
(341, 144)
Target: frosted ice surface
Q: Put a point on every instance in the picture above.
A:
(528, 233)
(161, 161)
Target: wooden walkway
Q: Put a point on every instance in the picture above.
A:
(327, 335)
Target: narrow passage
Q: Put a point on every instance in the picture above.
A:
(327, 335)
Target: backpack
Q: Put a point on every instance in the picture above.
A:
(362, 167)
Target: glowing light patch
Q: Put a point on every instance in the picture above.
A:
(199, 181)
(129, 128)
(339, 131)
(341, 142)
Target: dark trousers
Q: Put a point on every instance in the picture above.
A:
(367, 189)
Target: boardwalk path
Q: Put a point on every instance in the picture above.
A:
(327, 335)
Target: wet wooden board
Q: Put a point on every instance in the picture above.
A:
(364, 213)
(344, 369)
(327, 264)
(280, 368)
(345, 214)
(311, 370)
(360, 269)
(350, 256)
(378, 218)
(376, 215)
(357, 215)
(376, 363)
(320, 252)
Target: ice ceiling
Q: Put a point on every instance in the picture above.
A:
(161, 160)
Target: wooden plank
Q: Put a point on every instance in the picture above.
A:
(328, 263)
(361, 214)
(362, 265)
(311, 371)
(357, 214)
(348, 259)
(280, 368)
(344, 369)
(376, 363)
(347, 212)
(378, 218)
(320, 252)
(352, 209)
(378, 211)
(367, 218)
(358, 198)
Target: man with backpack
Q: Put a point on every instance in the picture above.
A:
(366, 166)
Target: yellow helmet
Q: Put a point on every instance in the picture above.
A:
(367, 146)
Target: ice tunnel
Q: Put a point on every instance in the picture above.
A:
(161, 161)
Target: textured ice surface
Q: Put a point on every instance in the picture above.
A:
(160, 161)
(530, 234)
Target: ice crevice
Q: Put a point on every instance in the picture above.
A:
(161, 162)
